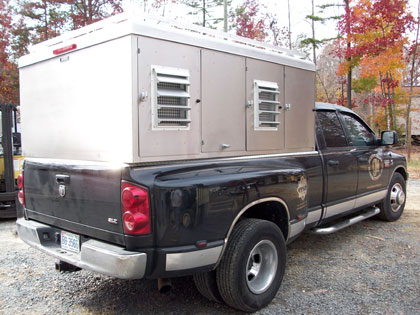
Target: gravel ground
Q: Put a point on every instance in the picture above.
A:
(370, 268)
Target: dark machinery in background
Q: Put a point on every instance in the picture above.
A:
(11, 160)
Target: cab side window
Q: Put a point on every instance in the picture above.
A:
(357, 131)
(332, 130)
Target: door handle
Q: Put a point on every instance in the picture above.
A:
(333, 162)
(363, 159)
(62, 179)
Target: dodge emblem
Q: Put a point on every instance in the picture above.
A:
(62, 191)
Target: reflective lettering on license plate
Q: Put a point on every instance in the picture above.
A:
(70, 241)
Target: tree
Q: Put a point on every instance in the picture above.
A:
(377, 39)
(85, 12)
(330, 87)
(247, 21)
(44, 19)
(289, 28)
(348, 32)
(158, 4)
(313, 41)
(279, 36)
(5, 28)
(8, 70)
(21, 39)
(204, 9)
(413, 55)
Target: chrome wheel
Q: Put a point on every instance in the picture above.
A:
(261, 266)
(396, 197)
(252, 267)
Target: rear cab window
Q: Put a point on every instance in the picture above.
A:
(332, 129)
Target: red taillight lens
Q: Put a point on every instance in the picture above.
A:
(135, 209)
(20, 181)
(64, 49)
(21, 195)
(133, 196)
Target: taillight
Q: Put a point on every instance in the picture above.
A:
(135, 209)
(21, 195)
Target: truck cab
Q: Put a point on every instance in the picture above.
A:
(358, 165)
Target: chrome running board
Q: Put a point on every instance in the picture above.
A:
(343, 224)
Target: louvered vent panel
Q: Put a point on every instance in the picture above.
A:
(171, 97)
(266, 104)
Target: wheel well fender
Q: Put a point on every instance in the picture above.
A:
(402, 170)
(271, 209)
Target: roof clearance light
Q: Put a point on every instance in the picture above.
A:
(65, 49)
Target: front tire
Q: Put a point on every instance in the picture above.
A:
(393, 205)
(252, 268)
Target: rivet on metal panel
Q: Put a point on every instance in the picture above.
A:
(287, 106)
(249, 103)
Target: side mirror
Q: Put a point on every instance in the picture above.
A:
(389, 137)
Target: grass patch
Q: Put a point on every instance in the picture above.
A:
(414, 166)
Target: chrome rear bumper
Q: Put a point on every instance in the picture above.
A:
(94, 255)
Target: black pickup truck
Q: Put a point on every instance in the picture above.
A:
(226, 220)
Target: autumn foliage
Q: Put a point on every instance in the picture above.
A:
(8, 71)
(377, 32)
(248, 23)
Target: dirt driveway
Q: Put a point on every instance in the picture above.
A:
(370, 268)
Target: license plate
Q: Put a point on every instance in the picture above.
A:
(70, 241)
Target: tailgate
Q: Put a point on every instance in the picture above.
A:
(78, 196)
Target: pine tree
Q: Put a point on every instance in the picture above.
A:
(314, 18)
(204, 9)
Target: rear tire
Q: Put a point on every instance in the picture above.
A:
(252, 268)
(393, 205)
(206, 284)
